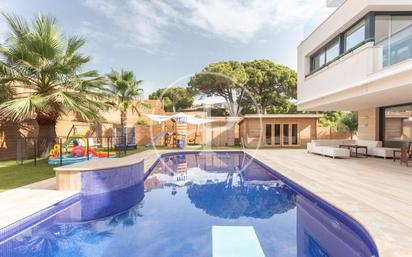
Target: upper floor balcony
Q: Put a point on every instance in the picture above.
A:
(352, 64)
(326, 88)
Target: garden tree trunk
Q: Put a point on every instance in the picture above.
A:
(263, 109)
(47, 125)
(47, 131)
(238, 100)
(232, 105)
(230, 102)
(123, 118)
(47, 135)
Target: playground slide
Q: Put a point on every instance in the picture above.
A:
(154, 140)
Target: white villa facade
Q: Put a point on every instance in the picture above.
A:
(360, 59)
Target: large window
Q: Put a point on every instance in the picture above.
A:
(332, 50)
(318, 60)
(397, 125)
(394, 35)
(382, 28)
(325, 55)
(350, 39)
(355, 35)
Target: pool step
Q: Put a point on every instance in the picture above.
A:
(235, 241)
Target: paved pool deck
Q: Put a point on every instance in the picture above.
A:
(375, 192)
(18, 203)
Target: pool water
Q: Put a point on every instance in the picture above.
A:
(172, 214)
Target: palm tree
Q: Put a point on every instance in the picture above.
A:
(127, 218)
(67, 239)
(126, 92)
(44, 70)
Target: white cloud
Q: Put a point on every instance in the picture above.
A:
(144, 23)
(241, 20)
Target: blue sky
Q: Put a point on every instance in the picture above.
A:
(165, 40)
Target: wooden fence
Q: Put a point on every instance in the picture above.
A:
(328, 133)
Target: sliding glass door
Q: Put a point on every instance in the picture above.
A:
(277, 134)
(281, 134)
(268, 134)
(285, 134)
(396, 125)
(294, 134)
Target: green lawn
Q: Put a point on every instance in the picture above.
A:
(14, 175)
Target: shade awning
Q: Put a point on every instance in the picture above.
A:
(182, 117)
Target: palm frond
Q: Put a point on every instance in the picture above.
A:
(87, 108)
(19, 27)
(9, 71)
(74, 44)
(137, 105)
(21, 108)
(46, 39)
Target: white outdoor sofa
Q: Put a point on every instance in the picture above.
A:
(331, 148)
(375, 148)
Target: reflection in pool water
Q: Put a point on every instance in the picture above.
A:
(172, 214)
(260, 201)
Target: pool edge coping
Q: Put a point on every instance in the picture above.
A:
(31, 220)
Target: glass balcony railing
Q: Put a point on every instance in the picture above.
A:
(396, 47)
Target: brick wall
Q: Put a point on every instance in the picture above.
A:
(143, 134)
(10, 133)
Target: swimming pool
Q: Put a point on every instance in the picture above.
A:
(193, 204)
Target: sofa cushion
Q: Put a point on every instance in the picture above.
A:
(370, 144)
(332, 142)
(384, 152)
(335, 152)
(331, 151)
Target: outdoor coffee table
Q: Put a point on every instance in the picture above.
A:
(395, 157)
(356, 147)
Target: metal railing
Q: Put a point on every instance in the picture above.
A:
(63, 151)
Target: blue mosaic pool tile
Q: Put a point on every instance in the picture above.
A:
(102, 181)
